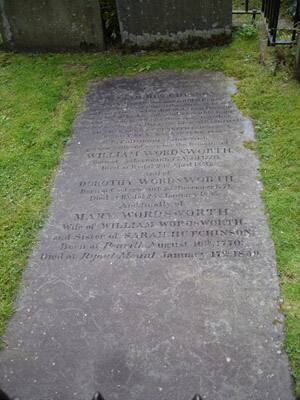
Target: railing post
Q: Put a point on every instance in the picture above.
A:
(276, 18)
(273, 20)
(267, 9)
(247, 6)
(297, 67)
(296, 20)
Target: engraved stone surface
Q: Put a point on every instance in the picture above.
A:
(154, 277)
(155, 22)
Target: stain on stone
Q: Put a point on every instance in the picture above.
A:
(175, 22)
(51, 25)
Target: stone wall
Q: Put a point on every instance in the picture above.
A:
(153, 22)
(51, 24)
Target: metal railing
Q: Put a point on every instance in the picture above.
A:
(246, 7)
(277, 34)
(281, 30)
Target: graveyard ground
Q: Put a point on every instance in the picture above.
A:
(40, 94)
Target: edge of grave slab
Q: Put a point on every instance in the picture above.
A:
(247, 132)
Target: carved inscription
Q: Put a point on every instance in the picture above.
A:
(162, 230)
(155, 275)
(152, 191)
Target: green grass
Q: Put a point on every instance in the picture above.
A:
(240, 4)
(39, 96)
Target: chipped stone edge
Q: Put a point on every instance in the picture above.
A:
(248, 126)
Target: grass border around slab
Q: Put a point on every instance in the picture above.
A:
(39, 97)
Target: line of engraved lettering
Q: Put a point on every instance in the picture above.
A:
(199, 212)
(158, 153)
(159, 204)
(185, 179)
(235, 253)
(183, 255)
(105, 182)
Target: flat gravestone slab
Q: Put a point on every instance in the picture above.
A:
(154, 277)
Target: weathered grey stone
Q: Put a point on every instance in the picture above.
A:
(51, 24)
(154, 277)
(174, 22)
